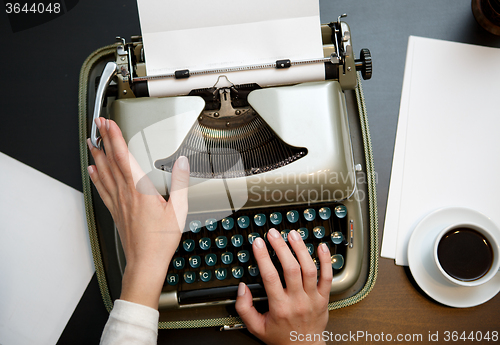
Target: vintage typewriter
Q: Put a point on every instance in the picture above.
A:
(277, 157)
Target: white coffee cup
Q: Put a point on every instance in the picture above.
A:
(453, 240)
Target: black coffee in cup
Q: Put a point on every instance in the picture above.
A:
(465, 254)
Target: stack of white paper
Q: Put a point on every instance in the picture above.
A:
(447, 150)
(199, 35)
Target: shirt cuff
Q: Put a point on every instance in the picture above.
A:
(131, 323)
(138, 314)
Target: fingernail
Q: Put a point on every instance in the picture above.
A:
(183, 163)
(259, 242)
(107, 124)
(90, 169)
(89, 144)
(241, 289)
(98, 122)
(324, 248)
(274, 233)
(294, 235)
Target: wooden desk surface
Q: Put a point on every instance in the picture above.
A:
(49, 137)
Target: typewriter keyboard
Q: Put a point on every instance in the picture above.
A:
(215, 255)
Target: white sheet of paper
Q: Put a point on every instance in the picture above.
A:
(451, 143)
(45, 256)
(198, 35)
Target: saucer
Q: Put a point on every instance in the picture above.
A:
(424, 268)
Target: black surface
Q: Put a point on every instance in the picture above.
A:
(39, 88)
(40, 68)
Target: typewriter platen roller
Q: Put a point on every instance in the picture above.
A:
(260, 157)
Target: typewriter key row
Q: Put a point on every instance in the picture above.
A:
(211, 259)
(260, 219)
(221, 242)
(221, 273)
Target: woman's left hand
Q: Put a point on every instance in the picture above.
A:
(150, 228)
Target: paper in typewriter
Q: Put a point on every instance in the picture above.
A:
(199, 35)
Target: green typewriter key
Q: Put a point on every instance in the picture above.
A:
(259, 219)
(340, 211)
(319, 231)
(337, 261)
(178, 263)
(194, 261)
(243, 256)
(325, 213)
(292, 216)
(310, 214)
(227, 258)
(195, 226)
(284, 234)
(227, 223)
(303, 232)
(237, 240)
(253, 270)
(243, 222)
(211, 259)
(220, 273)
(337, 237)
(205, 243)
(188, 245)
(205, 275)
(221, 242)
(172, 279)
(310, 248)
(211, 224)
(237, 272)
(275, 218)
(189, 277)
(252, 236)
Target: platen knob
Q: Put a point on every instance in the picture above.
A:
(364, 63)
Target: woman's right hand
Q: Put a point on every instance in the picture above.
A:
(302, 306)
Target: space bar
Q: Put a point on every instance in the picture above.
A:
(217, 294)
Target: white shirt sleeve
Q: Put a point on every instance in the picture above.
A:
(131, 323)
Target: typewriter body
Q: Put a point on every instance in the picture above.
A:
(277, 157)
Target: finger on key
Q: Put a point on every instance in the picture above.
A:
(325, 271)
(291, 268)
(309, 272)
(268, 273)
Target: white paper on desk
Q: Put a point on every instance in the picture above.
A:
(448, 141)
(199, 34)
(45, 256)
